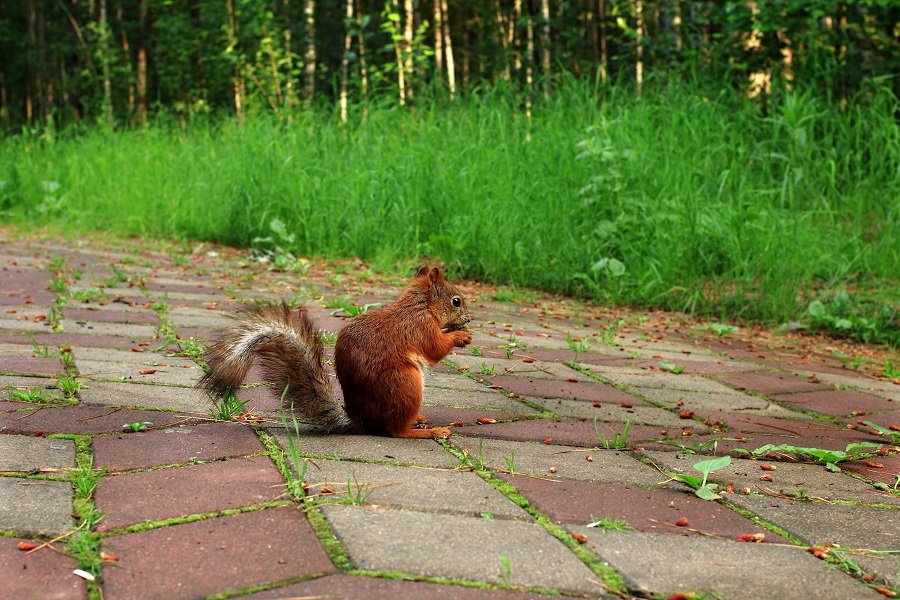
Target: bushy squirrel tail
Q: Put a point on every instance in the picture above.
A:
(290, 351)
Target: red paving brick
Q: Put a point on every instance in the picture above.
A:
(837, 403)
(572, 390)
(348, 587)
(887, 472)
(26, 365)
(772, 383)
(652, 510)
(571, 432)
(9, 336)
(438, 415)
(151, 495)
(215, 555)
(206, 442)
(43, 574)
(85, 420)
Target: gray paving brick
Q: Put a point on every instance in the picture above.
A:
(662, 564)
(457, 547)
(35, 507)
(27, 453)
(108, 393)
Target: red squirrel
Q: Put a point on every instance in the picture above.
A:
(380, 359)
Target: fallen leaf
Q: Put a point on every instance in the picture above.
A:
(571, 380)
(486, 421)
(818, 551)
(579, 537)
(874, 464)
(886, 592)
(766, 478)
(137, 349)
(24, 546)
(548, 441)
(751, 537)
(588, 458)
(767, 467)
(457, 424)
(108, 557)
(147, 371)
(326, 490)
(688, 414)
(528, 360)
(596, 405)
(626, 404)
(552, 469)
(682, 522)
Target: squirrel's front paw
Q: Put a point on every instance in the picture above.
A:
(462, 337)
(440, 433)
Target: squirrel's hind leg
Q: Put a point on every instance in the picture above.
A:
(437, 433)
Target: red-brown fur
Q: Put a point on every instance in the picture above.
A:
(376, 356)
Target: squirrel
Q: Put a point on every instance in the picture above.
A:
(380, 358)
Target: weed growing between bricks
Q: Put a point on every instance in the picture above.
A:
(84, 544)
(610, 578)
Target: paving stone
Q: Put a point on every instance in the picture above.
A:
(108, 329)
(139, 317)
(442, 417)
(571, 390)
(818, 523)
(457, 547)
(770, 384)
(575, 432)
(12, 382)
(788, 478)
(35, 507)
(212, 556)
(152, 495)
(487, 368)
(651, 510)
(889, 419)
(167, 372)
(72, 339)
(637, 412)
(438, 378)
(183, 316)
(108, 393)
(707, 402)
(86, 420)
(707, 366)
(426, 453)
(474, 400)
(660, 564)
(888, 473)
(535, 458)
(204, 442)
(838, 402)
(348, 587)
(668, 381)
(29, 453)
(425, 490)
(44, 574)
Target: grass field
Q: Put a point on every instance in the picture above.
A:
(681, 200)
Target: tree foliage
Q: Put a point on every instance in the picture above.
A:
(120, 61)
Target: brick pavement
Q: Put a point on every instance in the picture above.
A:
(557, 480)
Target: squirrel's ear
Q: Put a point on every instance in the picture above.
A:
(435, 276)
(423, 270)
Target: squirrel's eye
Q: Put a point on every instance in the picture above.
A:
(457, 301)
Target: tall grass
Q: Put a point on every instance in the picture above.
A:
(685, 200)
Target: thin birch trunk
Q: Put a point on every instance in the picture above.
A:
(408, 28)
(363, 70)
(448, 49)
(309, 11)
(529, 73)
(288, 57)
(545, 36)
(639, 48)
(438, 39)
(142, 63)
(104, 64)
(345, 61)
(129, 70)
(236, 70)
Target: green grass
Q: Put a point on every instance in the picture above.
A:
(685, 200)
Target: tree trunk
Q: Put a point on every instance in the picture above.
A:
(236, 86)
(345, 61)
(448, 49)
(639, 47)
(288, 57)
(545, 37)
(310, 58)
(363, 70)
(129, 70)
(408, 28)
(142, 62)
(529, 73)
(104, 64)
(438, 39)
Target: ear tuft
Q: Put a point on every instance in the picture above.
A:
(435, 276)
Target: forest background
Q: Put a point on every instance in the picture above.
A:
(735, 159)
